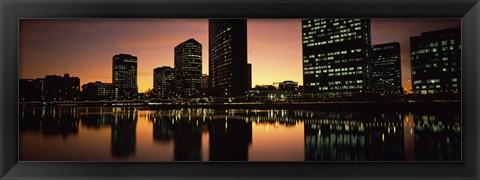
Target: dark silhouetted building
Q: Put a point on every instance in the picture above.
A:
(288, 85)
(58, 88)
(336, 61)
(249, 76)
(124, 76)
(164, 82)
(228, 67)
(204, 81)
(287, 91)
(204, 85)
(436, 60)
(188, 68)
(97, 91)
(386, 68)
(30, 89)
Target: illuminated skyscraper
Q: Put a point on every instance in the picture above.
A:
(124, 76)
(336, 61)
(386, 76)
(228, 67)
(164, 82)
(188, 68)
(435, 59)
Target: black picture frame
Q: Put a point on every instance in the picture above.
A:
(12, 10)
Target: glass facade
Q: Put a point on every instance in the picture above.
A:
(124, 76)
(228, 67)
(386, 68)
(188, 68)
(336, 61)
(435, 60)
(164, 82)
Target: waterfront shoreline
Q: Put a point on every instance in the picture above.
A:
(330, 106)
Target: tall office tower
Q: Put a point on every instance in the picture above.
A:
(124, 76)
(188, 68)
(386, 68)
(336, 61)
(164, 82)
(97, 91)
(435, 59)
(228, 67)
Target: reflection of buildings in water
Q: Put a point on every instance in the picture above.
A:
(96, 120)
(51, 121)
(229, 139)
(408, 137)
(385, 141)
(328, 135)
(339, 136)
(124, 131)
(184, 128)
(353, 137)
(438, 137)
(230, 133)
(188, 140)
(382, 137)
(31, 119)
(334, 138)
(96, 117)
(162, 128)
(63, 125)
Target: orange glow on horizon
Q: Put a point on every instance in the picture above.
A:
(84, 47)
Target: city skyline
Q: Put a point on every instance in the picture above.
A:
(277, 41)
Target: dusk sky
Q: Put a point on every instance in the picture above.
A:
(85, 47)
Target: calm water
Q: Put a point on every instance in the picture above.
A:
(129, 134)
